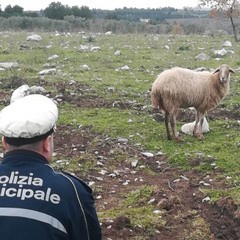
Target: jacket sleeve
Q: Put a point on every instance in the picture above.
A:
(86, 202)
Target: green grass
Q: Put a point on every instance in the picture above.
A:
(134, 206)
(146, 56)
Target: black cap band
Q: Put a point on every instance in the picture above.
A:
(24, 141)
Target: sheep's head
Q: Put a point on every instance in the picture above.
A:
(224, 73)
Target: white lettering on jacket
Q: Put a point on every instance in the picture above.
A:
(15, 185)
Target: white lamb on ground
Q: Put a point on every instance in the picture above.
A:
(187, 128)
(182, 88)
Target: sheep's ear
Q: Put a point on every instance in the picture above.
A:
(231, 70)
(217, 70)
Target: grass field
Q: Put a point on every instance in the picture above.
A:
(118, 85)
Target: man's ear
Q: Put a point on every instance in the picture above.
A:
(47, 143)
(4, 143)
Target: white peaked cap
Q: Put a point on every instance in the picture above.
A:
(28, 117)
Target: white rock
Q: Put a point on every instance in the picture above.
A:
(108, 33)
(20, 92)
(227, 44)
(134, 163)
(99, 197)
(157, 211)
(99, 178)
(147, 154)
(62, 162)
(95, 49)
(6, 65)
(34, 37)
(91, 183)
(151, 201)
(84, 47)
(202, 57)
(85, 67)
(122, 140)
(126, 183)
(206, 199)
(103, 172)
(25, 90)
(183, 177)
(53, 57)
(220, 53)
(47, 71)
(125, 68)
(117, 53)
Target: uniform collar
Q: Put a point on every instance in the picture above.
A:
(23, 155)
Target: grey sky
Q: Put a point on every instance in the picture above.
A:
(103, 4)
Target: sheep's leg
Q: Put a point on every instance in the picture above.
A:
(167, 125)
(197, 117)
(197, 131)
(201, 119)
(173, 126)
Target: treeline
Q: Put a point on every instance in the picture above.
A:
(56, 10)
(77, 24)
(62, 18)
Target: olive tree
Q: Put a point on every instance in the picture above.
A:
(228, 8)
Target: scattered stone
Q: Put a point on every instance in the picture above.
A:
(95, 49)
(48, 71)
(227, 44)
(124, 68)
(34, 37)
(220, 53)
(122, 140)
(109, 33)
(117, 53)
(7, 65)
(147, 154)
(53, 57)
(202, 57)
(157, 211)
(206, 199)
(134, 163)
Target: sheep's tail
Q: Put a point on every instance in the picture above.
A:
(156, 100)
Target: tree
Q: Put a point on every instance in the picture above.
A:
(229, 8)
(55, 11)
(83, 12)
(13, 11)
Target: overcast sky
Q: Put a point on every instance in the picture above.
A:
(102, 4)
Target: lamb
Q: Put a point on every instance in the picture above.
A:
(182, 88)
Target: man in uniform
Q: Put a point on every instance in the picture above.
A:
(37, 202)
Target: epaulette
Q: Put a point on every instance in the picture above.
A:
(85, 185)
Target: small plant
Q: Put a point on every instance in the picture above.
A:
(90, 39)
(184, 48)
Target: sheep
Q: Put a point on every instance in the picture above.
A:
(182, 88)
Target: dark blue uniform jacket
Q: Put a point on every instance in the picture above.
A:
(39, 203)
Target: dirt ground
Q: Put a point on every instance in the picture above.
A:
(179, 195)
(182, 199)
